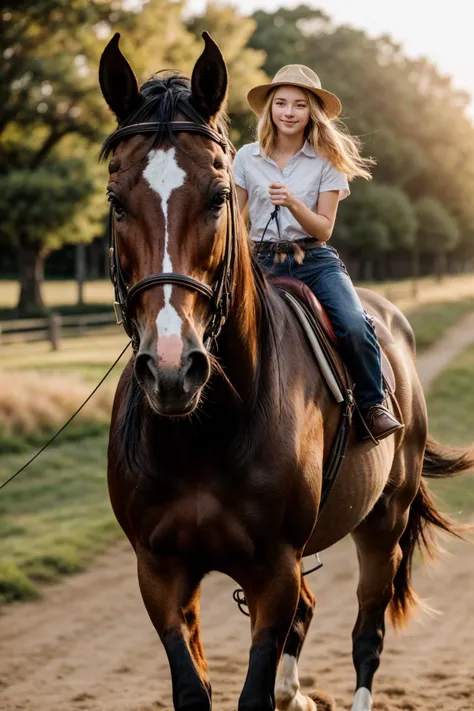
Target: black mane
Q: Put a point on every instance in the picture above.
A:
(164, 96)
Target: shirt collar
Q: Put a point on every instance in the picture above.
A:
(307, 149)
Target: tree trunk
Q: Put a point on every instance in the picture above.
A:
(415, 271)
(31, 260)
(80, 271)
(440, 265)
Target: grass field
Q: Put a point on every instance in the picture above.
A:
(60, 293)
(451, 419)
(55, 516)
(430, 290)
(430, 321)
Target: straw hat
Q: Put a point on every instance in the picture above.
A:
(295, 75)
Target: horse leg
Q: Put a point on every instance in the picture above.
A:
(287, 688)
(171, 596)
(379, 554)
(272, 595)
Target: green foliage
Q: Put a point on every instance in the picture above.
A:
(232, 32)
(376, 218)
(51, 108)
(36, 204)
(410, 118)
(53, 118)
(437, 231)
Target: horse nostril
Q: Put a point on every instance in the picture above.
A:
(146, 369)
(196, 370)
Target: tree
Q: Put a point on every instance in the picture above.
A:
(34, 203)
(232, 31)
(375, 221)
(437, 233)
(51, 110)
(47, 94)
(409, 116)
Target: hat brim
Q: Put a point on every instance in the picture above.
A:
(257, 97)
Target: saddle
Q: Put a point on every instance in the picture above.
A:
(324, 342)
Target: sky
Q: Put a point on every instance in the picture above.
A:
(441, 30)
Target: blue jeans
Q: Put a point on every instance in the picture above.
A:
(327, 277)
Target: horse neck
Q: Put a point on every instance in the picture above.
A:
(239, 343)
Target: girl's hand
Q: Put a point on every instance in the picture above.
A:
(280, 195)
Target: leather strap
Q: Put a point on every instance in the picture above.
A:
(157, 127)
(221, 292)
(169, 278)
(288, 246)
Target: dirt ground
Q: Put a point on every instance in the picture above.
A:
(89, 645)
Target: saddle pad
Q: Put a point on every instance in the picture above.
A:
(303, 293)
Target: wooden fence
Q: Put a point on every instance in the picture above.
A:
(53, 327)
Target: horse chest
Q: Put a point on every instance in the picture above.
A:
(197, 525)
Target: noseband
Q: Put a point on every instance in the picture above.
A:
(220, 294)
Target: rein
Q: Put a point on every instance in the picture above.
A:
(220, 294)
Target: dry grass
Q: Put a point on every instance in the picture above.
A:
(32, 402)
(87, 357)
(60, 293)
(430, 290)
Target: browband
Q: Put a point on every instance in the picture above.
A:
(173, 126)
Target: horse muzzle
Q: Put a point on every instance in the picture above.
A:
(173, 386)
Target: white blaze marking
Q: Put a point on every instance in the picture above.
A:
(164, 175)
(362, 700)
(287, 687)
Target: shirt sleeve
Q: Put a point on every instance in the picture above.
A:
(238, 169)
(333, 179)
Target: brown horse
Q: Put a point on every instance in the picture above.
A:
(222, 421)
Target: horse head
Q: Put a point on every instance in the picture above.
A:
(169, 187)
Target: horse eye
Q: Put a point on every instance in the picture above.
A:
(220, 199)
(119, 212)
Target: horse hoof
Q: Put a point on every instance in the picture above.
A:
(323, 701)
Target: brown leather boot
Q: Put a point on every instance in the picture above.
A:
(381, 422)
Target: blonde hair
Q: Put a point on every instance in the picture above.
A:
(328, 137)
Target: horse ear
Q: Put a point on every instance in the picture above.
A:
(210, 80)
(117, 81)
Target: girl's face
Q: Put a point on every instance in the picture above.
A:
(290, 110)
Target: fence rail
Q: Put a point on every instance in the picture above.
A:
(53, 327)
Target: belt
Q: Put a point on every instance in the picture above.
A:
(287, 246)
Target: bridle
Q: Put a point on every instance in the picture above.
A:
(220, 294)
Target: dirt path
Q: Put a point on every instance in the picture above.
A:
(454, 341)
(89, 646)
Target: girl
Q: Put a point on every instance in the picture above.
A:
(297, 172)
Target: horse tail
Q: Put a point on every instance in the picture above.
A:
(424, 521)
(441, 461)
